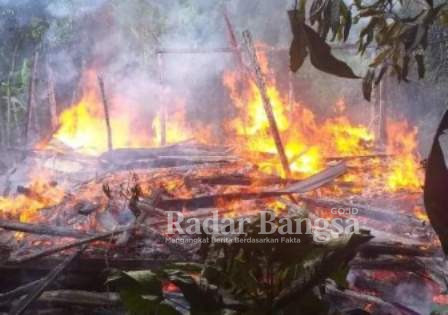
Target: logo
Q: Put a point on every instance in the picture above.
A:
(321, 229)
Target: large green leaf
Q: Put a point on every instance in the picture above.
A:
(322, 58)
(436, 181)
(298, 49)
(367, 84)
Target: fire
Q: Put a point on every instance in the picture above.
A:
(404, 168)
(83, 126)
(40, 194)
(308, 141)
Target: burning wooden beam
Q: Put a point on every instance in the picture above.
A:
(106, 113)
(266, 102)
(311, 183)
(41, 229)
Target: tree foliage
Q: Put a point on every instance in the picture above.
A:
(399, 35)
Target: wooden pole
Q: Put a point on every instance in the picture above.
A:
(162, 111)
(30, 111)
(239, 58)
(8, 97)
(266, 102)
(106, 113)
(52, 99)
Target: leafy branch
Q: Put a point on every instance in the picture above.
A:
(246, 277)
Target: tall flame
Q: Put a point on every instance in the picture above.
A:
(308, 141)
(402, 143)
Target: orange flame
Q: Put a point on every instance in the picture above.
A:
(307, 140)
(404, 168)
(25, 206)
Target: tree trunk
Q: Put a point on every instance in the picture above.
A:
(52, 99)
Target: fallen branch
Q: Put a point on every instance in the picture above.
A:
(57, 249)
(23, 306)
(375, 248)
(42, 229)
(389, 263)
(359, 157)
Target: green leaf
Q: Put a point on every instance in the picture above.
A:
(322, 58)
(405, 70)
(436, 179)
(367, 84)
(335, 15)
(348, 21)
(201, 297)
(420, 65)
(381, 74)
(298, 49)
(143, 281)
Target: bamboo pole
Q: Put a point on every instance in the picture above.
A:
(162, 110)
(106, 113)
(266, 102)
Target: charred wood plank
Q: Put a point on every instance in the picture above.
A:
(311, 183)
(239, 179)
(375, 248)
(60, 248)
(359, 157)
(390, 263)
(42, 229)
(31, 298)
